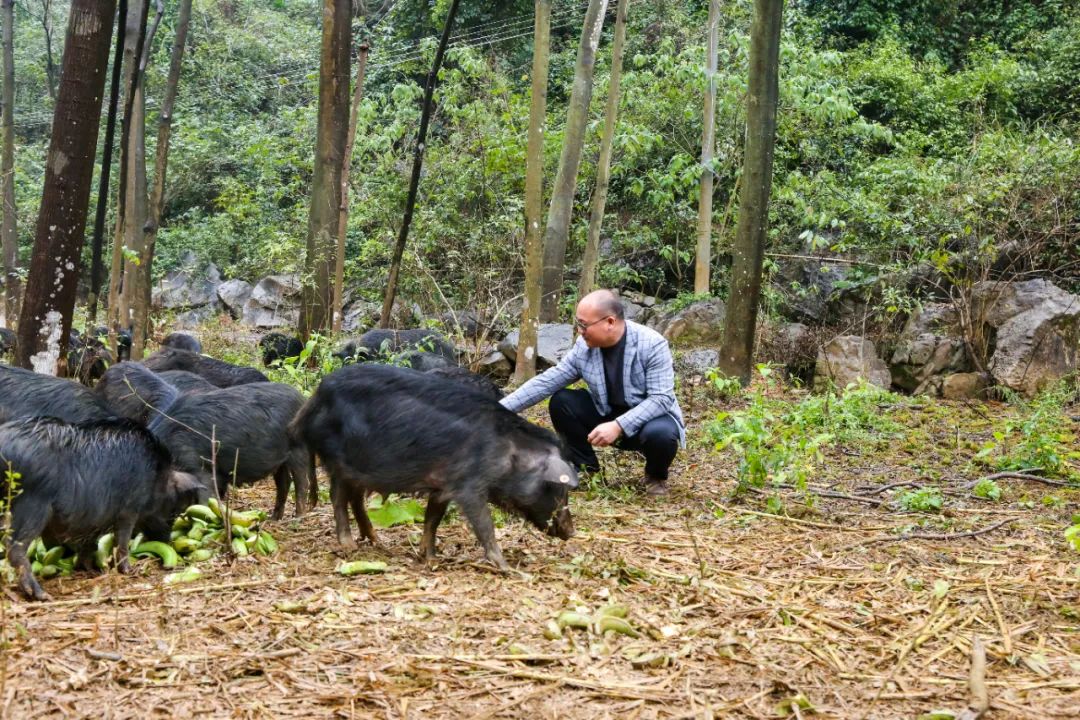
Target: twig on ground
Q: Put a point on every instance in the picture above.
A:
(1018, 476)
(980, 698)
(926, 536)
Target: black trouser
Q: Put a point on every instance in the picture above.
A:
(575, 416)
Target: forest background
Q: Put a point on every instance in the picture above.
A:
(917, 141)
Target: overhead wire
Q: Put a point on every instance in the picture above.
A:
(405, 51)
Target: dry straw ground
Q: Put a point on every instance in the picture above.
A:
(840, 612)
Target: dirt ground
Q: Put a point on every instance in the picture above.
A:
(836, 613)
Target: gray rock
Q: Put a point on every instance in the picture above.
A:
(634, 312)
(462, 322)
(964, 386)
(233, 294)
(361, 315)
(277, 290)
(495, 365)
(847, 358)
(553, 340)
(274, 302)
(263, 317)
(698, 362)
(1035, 327)
(194, 318)
(929, 346)
(700, 323)
(806, 288)
(186, 287)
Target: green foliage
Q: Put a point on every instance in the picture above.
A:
(924, 500)
(1035, 439)
(781, 442)
(395, 511)
(912, 135)
(858, 414)
(305, 371)
(1072, 533)
(725, 387)
(770, 447)
(987, 489)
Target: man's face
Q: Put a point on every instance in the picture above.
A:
(599, 330)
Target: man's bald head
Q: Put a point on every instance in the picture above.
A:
(600, 319)
(603, 302)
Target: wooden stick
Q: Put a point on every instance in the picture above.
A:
(980, 698)
(629, 691)
(1005, 638)
(925, 536)
(1017, 476)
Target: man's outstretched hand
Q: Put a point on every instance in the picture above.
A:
(605, 434)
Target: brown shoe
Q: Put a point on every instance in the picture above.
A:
(655, 487)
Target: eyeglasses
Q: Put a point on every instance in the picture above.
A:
(583, 326)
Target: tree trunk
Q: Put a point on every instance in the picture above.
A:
(50, 64)
(708, 142)
(50, 288)
(161, 162)
(418, 161)
(317, 291)
(737, 352)
(138, 216)
(134, 36)
(525, 367)
(346, 168)
(562, 195)
(9, 238)
(603, 165)
(98, 240)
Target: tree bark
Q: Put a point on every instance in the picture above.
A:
(562, 196)
(737, 351)
(708, 143)
(106, 165)
(161, 163)
(134, 37)
(139, 208)
(58, 240)
(418, 161)
(317, 291)
(587, 281)
(9, 238)
(50, 63)
(346, 168)
(525, 367)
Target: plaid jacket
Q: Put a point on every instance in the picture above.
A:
(648, 380)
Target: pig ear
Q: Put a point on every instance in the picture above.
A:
(186, 485)
(565, 477)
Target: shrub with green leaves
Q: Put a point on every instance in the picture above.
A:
(924, 500)
(987, 489)
(1037, 439)
(769, 448)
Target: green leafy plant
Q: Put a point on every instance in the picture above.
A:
(924, 500)
(306, 370)
(1035, 440)
(1072, 534)
(726, 388)
(769, 448)
(987, 489)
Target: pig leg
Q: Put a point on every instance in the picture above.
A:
(282, 481)
(433, 515)
(367, 530)
(479, 516)
(26, 525)
(298, 463)
(340, 501)
(124, 527)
